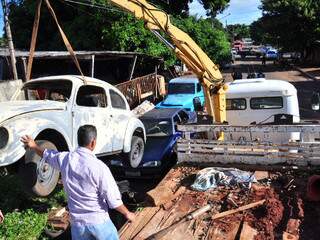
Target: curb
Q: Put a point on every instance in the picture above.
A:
(306, 74)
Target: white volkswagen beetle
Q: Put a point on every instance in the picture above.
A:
(53, 110)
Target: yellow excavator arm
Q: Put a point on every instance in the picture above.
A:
(186, 50)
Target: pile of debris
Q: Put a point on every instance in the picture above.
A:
(275, 206)
(144, 107)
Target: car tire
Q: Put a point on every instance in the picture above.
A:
(38, 177)
(134, 157)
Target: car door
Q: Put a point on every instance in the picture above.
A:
(91, 107)
(120, 117)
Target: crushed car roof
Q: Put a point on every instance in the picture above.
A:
(162, 113)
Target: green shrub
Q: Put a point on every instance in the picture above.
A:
(22, 225)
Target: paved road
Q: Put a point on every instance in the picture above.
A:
(304, 85)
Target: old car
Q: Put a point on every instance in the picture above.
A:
(272, 54)
(160, 154)
(183, 92)
(53, 110)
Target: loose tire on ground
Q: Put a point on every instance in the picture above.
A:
(38, 177)
(134, 157)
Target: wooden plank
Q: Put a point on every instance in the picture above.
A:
(179, 210)
(147, 94)
(249, 152)
(247, 232)
(165, 190)
(129, 230)
(151, 227)
(243, 159)
(213, 144)
(251, 128)
(239, 209)
(240, 149)
(249, 143)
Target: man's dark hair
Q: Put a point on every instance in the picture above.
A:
(86, 134)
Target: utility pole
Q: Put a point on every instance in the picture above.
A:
(9, 38)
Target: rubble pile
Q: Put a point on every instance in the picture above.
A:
(274, 206)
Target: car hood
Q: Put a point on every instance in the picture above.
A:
(17, 108)
(178, 100)
(156, 148)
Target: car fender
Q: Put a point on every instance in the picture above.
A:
(26, 126)
(133, 125)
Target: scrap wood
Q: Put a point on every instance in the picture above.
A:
(289, 236)
(142, 219)
(177, 194)
(165, 190)
(60, 212)
(58, 219)
(180, 233)
(247, 232)
(293, 226)
(227, 231)
(240, 209)
(260, 175)
(218, 233)
(190, 216)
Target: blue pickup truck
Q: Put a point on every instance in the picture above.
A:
(183, 92)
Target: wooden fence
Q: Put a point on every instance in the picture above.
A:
(302, 153)
(140, 88)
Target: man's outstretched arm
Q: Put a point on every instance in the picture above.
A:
(52, 157)
(30, 143)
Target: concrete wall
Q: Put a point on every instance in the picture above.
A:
(8, 88)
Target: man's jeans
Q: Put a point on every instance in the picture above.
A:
(104, 231)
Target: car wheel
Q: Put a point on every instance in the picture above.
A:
(38, 177)
(134, 157)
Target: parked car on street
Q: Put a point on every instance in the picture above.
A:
(162, 134)
(183, 92)
(272, 54)
(53, 110)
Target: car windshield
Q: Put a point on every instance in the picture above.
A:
(158, 127)
(57, 90)
(181, 88)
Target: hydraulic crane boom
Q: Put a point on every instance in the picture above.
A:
(186, 50)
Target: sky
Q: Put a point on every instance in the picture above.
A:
(239, 11)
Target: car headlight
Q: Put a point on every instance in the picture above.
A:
(4, 137)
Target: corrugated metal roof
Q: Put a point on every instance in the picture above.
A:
(4, 52)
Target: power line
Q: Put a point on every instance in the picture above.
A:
(74, 7)
(93, 5)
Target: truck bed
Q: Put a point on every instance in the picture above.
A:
(286, 213)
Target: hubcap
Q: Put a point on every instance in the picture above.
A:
(136, 155)
(44, 172)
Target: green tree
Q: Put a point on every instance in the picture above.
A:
(181, 7)
(257, 32)
(293, 25)
(238, 31)
(3, 42)
(96, 29)
(213, 40)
